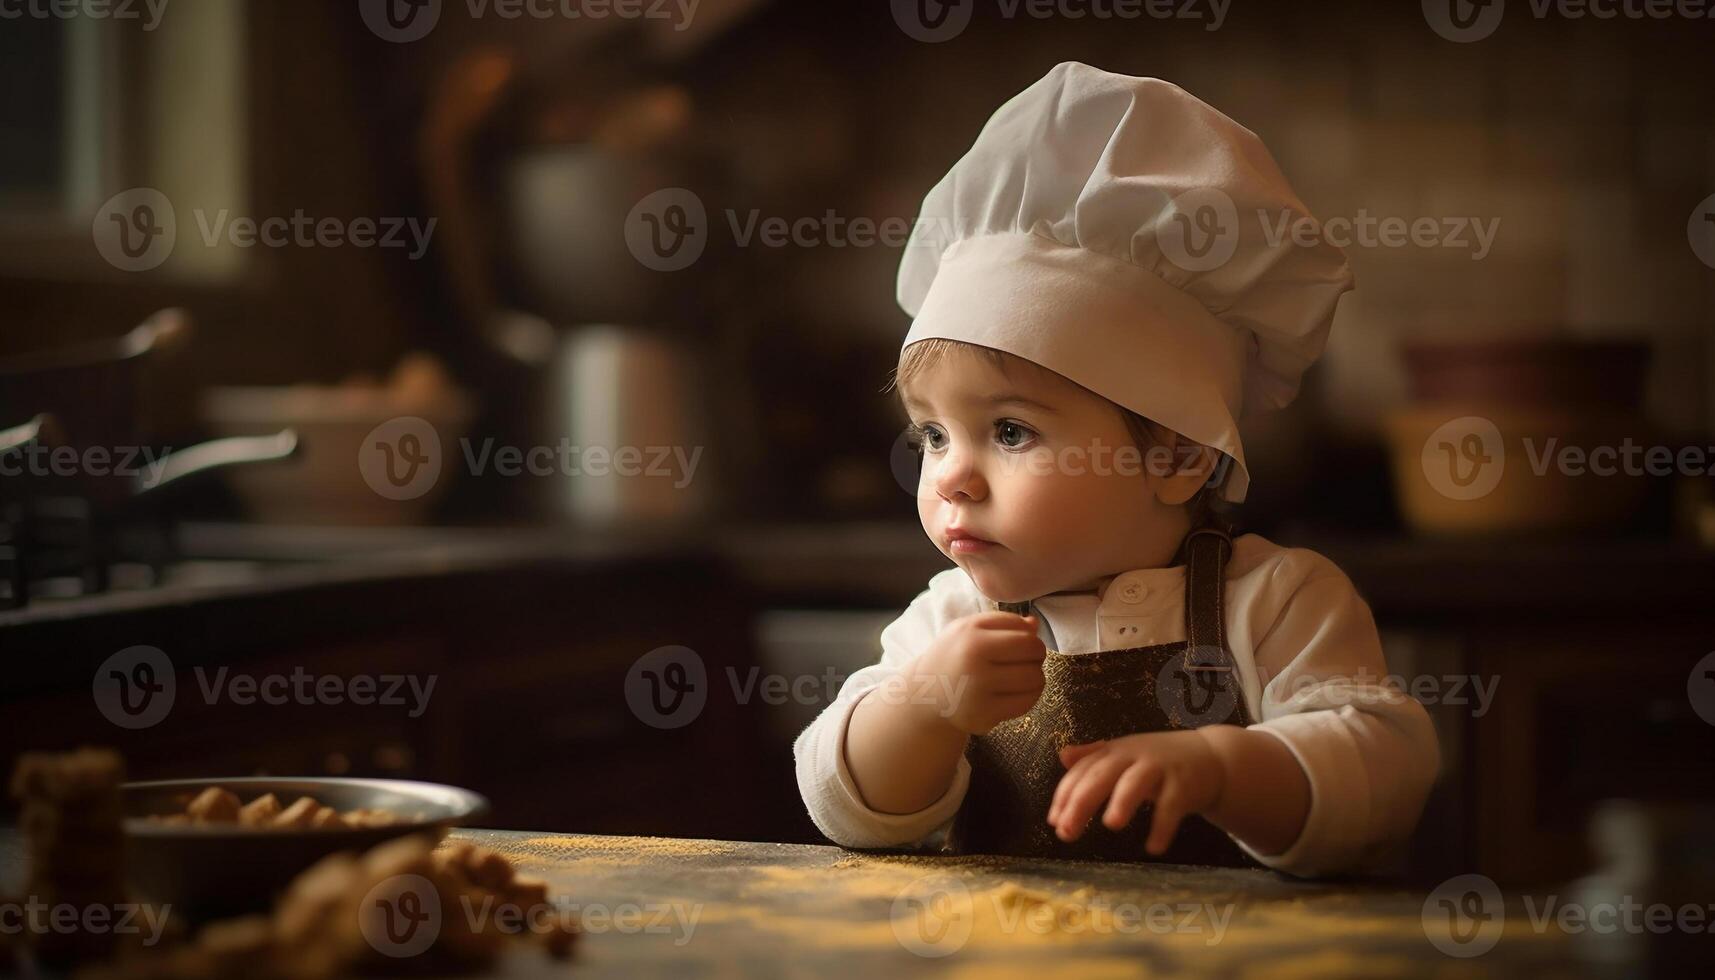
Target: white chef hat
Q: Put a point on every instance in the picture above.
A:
(1124, 234)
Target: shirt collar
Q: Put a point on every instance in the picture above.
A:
(1143, 591)
(1072, 617)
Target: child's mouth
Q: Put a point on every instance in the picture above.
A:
(965, 543)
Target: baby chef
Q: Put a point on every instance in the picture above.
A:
(1108, 673)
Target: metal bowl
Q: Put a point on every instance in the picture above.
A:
(220, 870)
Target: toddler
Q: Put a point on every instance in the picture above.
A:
(1108, 672)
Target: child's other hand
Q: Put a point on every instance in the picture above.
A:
(1180, 772)
(984, 669)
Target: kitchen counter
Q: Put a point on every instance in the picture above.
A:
(237, 563)
(871, 564)
(653, 906)
(751, 909)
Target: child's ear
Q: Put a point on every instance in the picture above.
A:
(1176, 475)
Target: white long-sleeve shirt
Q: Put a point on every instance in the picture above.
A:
(1309, 660)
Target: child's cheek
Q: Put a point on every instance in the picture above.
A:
(1034, 488)
(1032, 466)
(1070, 500)
(927, 504)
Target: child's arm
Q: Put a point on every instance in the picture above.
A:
(1267, 794)
(905, 739)
(841, 811)
(902, 756)
(1366, 753)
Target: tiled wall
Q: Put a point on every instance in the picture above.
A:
(1590, 144)
(1591, 140)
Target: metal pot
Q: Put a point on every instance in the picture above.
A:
(88, 464)
(543, 272)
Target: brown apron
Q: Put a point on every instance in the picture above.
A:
(1093, 696)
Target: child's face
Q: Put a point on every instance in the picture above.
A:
(1041, 473)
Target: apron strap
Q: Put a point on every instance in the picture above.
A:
(1206, 549)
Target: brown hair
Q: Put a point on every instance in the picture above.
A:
(918, 358)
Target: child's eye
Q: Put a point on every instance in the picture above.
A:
(926, 438)
(1013, 435)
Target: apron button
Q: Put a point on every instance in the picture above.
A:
(1132, 593)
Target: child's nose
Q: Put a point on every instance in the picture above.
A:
(957, 476)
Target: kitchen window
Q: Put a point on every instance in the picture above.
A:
(98, 106)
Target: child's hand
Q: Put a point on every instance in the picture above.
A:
(1179, 771)
(986, 669)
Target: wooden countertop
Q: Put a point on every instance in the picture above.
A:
(653, 906)
(754, 909)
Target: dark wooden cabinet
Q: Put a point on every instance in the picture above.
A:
(529, 664)
(1585, 712)
(1590, 646)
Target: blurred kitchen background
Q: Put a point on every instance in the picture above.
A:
(527, 314)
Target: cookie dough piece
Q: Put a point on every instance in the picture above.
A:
(313, 898)
(86, 775)
(260, 812)
(481, 866)
(370, 818)
(526, 891)
(71, 815)
(297, 816)
(214, 805)
(239, 947)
